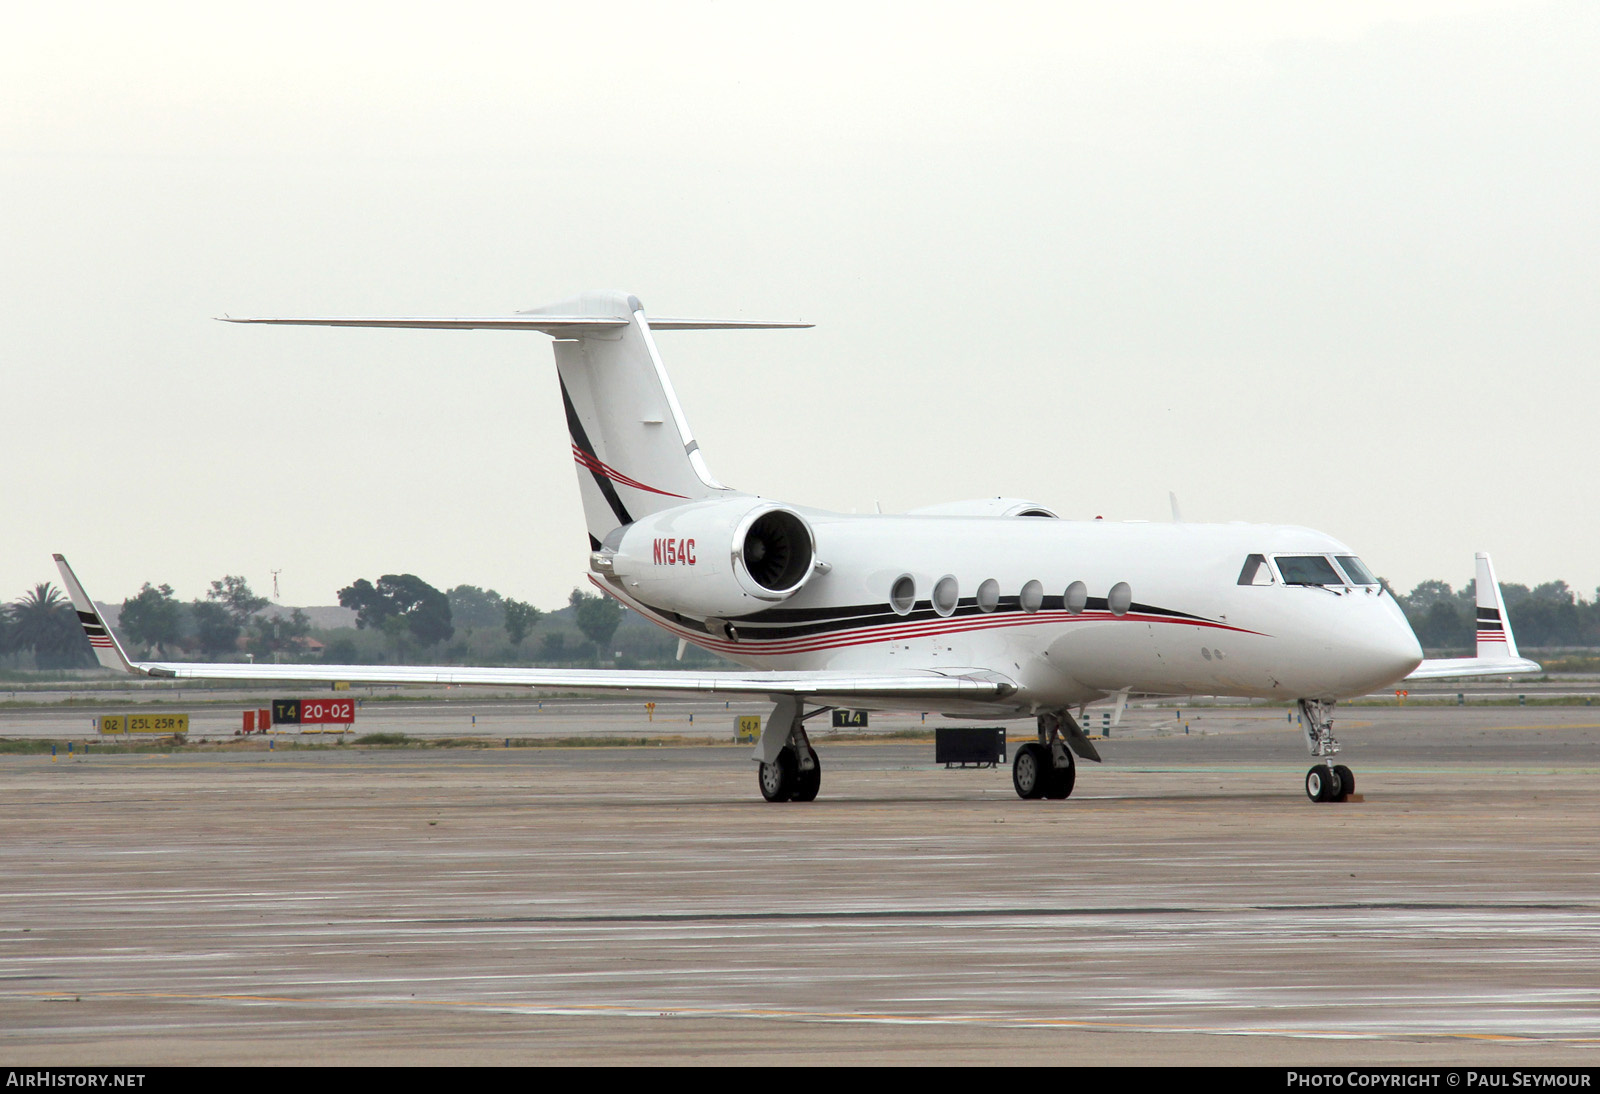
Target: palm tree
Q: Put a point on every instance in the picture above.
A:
(44, 621)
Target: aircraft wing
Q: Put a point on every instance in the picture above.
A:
(1446, 667)
(1497, 646)
(820, 687)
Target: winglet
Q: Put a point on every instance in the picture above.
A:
(1497, 647)
(1495, 640)
(107, 650)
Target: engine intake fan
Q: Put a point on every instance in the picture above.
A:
(777, 550)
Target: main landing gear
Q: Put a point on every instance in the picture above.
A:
(1046, 768)
(784, 780)
(790, 770)
(1326, 781)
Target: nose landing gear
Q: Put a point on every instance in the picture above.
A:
(1326, 781)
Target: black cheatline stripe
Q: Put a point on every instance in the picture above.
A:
(1488, 613)
(1149, 609)
(807, 615)
(965, 606)
(94, 630)
(88, 617)
(581, 439)
(806, 622)
(922, 613)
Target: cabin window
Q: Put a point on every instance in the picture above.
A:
(989, 595)
(945, 595)
(1120, 598)
(1308, 570)
(903, 597)
(1032, 596)
(1355, 571)
(1256, 571)
(1076, 597)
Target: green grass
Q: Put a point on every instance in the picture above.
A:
(383, 739)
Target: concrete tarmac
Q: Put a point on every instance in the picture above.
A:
(642, 905)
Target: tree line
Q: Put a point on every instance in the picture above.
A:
(231, 621)
(1546, 616)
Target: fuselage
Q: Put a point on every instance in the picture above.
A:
(1072, 611)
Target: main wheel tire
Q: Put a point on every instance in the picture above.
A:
(1031, 771)
(1322, 784)
(1317, 784)
(807, 783)
(1062, 779)
(1347, 781)
(778, 779)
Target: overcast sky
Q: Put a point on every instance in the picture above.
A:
(1326, 264)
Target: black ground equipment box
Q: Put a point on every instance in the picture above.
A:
(981, 746)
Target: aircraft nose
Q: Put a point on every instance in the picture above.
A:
(1402, 653)
(1370, 649)
(1389, 653)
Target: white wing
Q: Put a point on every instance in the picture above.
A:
(819, 687)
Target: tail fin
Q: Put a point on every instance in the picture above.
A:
(631, 442)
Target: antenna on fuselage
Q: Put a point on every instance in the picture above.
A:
(1177, 516)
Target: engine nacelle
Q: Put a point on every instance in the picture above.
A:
(986, 507)
(714, 558)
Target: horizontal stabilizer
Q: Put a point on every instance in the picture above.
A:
(561, 326)
(724, 324)
(570, 325)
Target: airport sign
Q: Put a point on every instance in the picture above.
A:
(143, 723)
(313, 712)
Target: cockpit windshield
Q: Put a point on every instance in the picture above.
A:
(1307, 570)
(1355, 571)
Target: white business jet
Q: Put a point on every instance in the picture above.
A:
(988, 609)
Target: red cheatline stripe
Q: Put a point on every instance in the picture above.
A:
(889, 632)
(599, 468)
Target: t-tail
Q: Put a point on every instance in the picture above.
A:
(631, 442)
